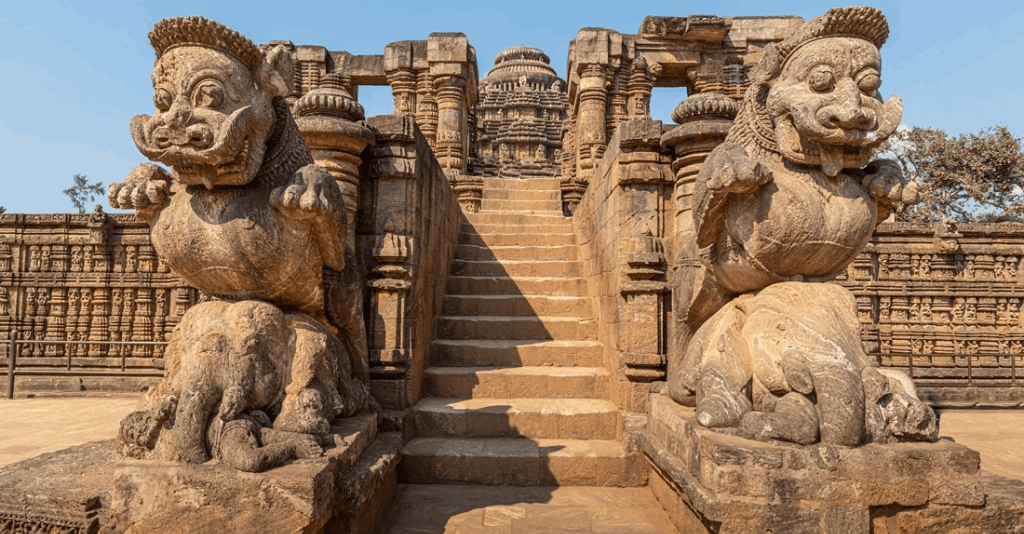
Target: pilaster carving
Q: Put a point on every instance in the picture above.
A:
(591, 139)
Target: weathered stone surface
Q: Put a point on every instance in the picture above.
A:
(730, 484)
(782, 205)
(89, 488)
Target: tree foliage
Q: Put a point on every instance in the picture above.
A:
(2, 210)
(973, 177)
(83, 192)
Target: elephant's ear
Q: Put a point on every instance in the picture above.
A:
(212, 343)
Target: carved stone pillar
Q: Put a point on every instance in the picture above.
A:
(56, 323)
(84, 321)
(142, 326)
(326, 117)
(393, 174)
(426, 107)
(389, 348)
(99, 321)
(450, 147)
(403, 89)
(704, 121)
(644, 179)
(591, 124)
(618, 81)
(310, 64)
(641, 83)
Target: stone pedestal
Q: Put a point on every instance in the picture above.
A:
(87, 489)
(711, 481)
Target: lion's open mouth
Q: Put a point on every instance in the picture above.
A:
(206, 174)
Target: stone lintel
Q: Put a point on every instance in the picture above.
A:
(363, 69)
(709, 28)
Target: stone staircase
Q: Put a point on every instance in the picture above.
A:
(517, 393)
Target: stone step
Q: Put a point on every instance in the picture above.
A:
(512, 217)
(519, 240)
(517, 382)
(528, 305)
(517, 286)
(522, 194)
(512, 352)
(567, 269)
(532, 418)
(490, 204)
(502, 252)
(563, 227)
(520, 462)
(554, 184)
(517, 327)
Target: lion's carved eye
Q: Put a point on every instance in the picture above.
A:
(869, 82)
(162, 99)
(208, 94)
(822, 79)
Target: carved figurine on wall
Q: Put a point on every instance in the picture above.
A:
(790, 198)
(246, 217)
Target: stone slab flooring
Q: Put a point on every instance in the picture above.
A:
(996, 434)
(30, 427)
(435, 509)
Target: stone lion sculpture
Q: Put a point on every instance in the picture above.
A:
(243, 214)
(789, 199)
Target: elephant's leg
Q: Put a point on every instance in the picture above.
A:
(840, 401)
(240, 448)
(794, 419)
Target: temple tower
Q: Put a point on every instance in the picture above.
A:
(521, 107)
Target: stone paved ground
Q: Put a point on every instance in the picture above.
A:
(428, 509)
(997, 434)
(29, 427)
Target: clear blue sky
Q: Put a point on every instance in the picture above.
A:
(75, 72)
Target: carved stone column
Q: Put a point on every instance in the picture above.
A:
(644, 179)
(389, 348)
(591, 138)
(326, 117)
(99, 321)
(393, 175)
(450, 147)
(641, 83)
(426, 107)
(704, 120)
(403, 89)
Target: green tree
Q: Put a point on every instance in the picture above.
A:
(973, 177)
(3, 210)
(83, 192)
